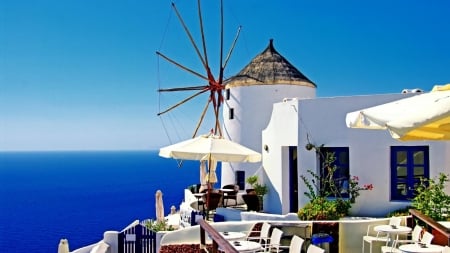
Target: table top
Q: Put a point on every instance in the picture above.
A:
(233, 235)
(246, 246)
(392, 230)
(227, 190)
(415, 248)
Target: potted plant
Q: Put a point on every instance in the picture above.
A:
(260, 189)
(257, 188)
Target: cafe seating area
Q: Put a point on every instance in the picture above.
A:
(266, 237)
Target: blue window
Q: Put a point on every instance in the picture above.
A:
(341, 163)
(409, 164)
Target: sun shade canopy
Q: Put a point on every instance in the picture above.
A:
(421, 117)
(210, 147)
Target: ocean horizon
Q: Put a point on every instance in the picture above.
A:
(78, 195)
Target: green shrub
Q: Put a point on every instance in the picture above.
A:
(326, 201)
(431, 198)
(158, 226)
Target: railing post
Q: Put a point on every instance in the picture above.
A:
(217, 239)
(138, 242)
(112, 239)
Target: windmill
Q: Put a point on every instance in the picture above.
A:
(213, 83)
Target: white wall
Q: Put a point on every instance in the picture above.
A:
(323, 122)
(279, 134)
(252, 111)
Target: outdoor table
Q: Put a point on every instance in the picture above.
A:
(233, 235)
(393, 230)
(418, 248)
(246, 246)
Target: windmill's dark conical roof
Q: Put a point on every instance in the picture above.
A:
(269, 67)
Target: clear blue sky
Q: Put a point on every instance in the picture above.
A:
(83, 74)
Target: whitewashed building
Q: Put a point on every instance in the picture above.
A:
(249, 97)
(393, 167)
(272, 108)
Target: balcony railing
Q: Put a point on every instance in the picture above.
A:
(441, 233)
(217, 240)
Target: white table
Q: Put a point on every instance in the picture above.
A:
(246, 246)
(415, 248)
(230, 236)
(392, 231)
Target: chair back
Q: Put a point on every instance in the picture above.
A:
(233, 187)
(264, 235)
(395, 221)
(275, 239)
(314, 249)
(427, 237)
(296, 244)
(415, 235)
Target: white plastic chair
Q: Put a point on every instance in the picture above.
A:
(274, 241)
(379, 236)
(295, 246)
(263, 237)
(314, 249)
(446, 249)
(427, 237)
(415, 237)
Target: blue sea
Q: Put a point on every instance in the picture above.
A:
(46, 196)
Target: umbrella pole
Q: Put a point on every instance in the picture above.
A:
(208, 194)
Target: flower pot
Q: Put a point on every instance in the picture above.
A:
(250, 191)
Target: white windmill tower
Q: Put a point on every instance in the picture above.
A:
(248, 100)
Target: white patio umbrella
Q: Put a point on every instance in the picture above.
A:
(210, 148)
(159, 206)
(421, 117)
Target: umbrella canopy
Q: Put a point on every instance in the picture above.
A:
(159, 206)
(210, 148)
(421, 117)
(211, 176)
(203, 179)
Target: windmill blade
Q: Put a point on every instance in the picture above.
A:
(182, 102)
(221, 42)
(181, 66)
(202, 33)
(190, 36)
(203, 87)
(217, 120)
(202, 116)
(232, 47)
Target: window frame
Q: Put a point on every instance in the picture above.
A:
(410, 179)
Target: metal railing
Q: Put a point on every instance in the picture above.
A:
(137, 239)
(218, 242)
